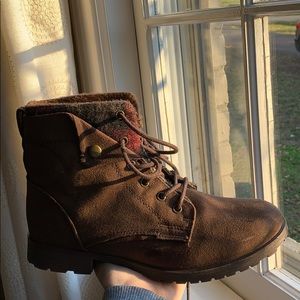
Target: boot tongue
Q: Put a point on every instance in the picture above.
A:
(100, 114)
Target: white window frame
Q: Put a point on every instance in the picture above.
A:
(100, 24)
(259, 96)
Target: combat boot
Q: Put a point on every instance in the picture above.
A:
(101, 190)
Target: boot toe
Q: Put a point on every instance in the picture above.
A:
(270, 222)
(228, 229)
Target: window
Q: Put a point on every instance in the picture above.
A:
(225, 89)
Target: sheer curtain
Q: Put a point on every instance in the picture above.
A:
(37, 62)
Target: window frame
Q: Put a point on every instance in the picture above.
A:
(259, 101)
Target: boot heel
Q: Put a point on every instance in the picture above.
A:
(59, 260)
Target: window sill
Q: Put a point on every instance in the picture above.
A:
(275, 285)
(212, 290)
(291, 256)
(286, 281)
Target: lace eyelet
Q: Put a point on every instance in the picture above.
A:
(161, 196)
(144, 182)
(120, 113)
(125, 139)
(152, 170)
(177, 211)
(128, 167)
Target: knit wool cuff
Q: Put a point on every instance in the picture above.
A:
(122, 292)
(99, 110)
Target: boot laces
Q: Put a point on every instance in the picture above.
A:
(150, 164)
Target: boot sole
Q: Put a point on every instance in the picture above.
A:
(62, 260)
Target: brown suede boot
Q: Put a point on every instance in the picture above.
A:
(98, 192)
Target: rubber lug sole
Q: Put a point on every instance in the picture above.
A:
(62, 260)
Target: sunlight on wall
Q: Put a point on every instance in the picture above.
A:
(39, 47)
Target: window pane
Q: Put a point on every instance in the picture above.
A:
(171, 88)
(161, 7)
(285, 66)
(199, 79)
